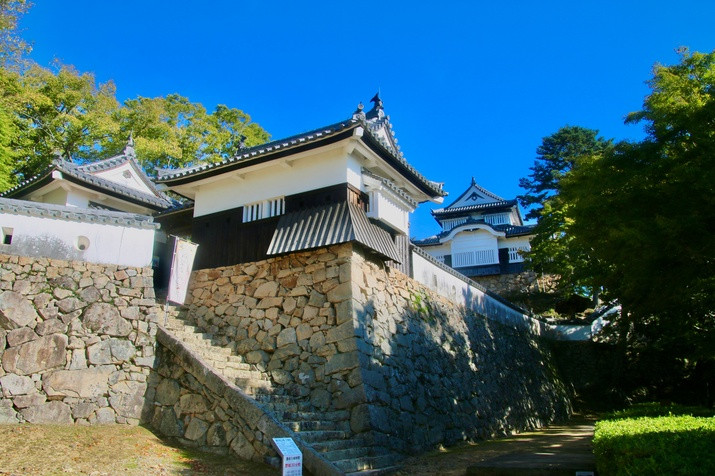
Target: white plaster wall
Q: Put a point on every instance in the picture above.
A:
(77, 199)
(56, 197)
(473, 240)
(304, 174)
(470, 297)
(389, 211)
(54, 238)
(116, 175)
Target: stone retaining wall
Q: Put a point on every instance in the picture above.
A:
(76, 341)
(524, 282)
(342, 334)
(291, 318)
(434, 373)
(203, 409)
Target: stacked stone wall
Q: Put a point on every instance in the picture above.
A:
(291, 318)
(524, 282)
(434, 373)
(379, 351)
(76, 341)
(201, 408)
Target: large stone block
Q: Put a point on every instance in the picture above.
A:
(7, 412)
(127, 398)
(84, 383)
(167, 392)
(12, 385)
(16, 311)
(341, 362)
(51, 412)
(104, 318)
(47, 352)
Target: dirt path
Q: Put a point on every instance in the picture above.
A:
(557, 444)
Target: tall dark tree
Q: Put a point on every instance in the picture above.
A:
(553, 249)
(647, 210)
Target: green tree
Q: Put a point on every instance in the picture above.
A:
(12, 45)
(57, 113)
(647, 210)
(66, 113)
(553, 249)
(173, 132)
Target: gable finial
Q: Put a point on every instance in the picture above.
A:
(129, 148)
(474, 182)
(376, 99)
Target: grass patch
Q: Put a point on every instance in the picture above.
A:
(656, 439)
(108, 450)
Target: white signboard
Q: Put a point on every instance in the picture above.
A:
(292, 457)
(181, 265)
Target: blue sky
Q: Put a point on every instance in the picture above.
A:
(471, 87)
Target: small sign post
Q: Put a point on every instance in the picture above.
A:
(291, 455)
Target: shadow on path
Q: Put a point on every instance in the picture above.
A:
(548, 451)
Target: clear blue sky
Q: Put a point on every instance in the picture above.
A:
(471, 86)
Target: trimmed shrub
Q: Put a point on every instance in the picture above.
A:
(655, 439)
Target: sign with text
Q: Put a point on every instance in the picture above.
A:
(292, 457)
(181, 265)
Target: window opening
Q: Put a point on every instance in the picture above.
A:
(7, 235)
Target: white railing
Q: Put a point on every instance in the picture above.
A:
(497, 219)
(449, 224)
(514, 254)
(474, 258)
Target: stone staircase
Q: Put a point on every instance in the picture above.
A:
(326, 432)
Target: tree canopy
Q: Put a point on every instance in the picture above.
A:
(639, 219)
(66, 113)
(553, 249)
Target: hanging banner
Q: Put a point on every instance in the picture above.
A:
(181, 264)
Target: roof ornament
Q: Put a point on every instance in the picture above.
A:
(377, 110)
(241, 142)
(474, 182)
(359, 112)
(129, 148)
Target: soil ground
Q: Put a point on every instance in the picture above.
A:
(547, 449)
(108, 450)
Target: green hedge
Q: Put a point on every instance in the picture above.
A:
(656, 439)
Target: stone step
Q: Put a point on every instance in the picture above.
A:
(366, 463)
(311, 425)
(337, 415)
(332, 445)
(375, 472)
(321, 436)
(348, 453)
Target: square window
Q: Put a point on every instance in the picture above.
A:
(7, 235)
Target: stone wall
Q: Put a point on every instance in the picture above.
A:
(342, 334)
(291, 318)
(434, 373)
(201, 408)
(524, 282)
(76, 341)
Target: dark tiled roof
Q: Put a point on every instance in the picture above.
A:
(508, 230)
(330, 224)
(443, 212)
(80, 174)
(256, 153)
(84, 215)
(474, 184)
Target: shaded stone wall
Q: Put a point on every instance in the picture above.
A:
(76, 341)
(203, 409)
(291, 318)
(524, 282)
(434, 373)
(379, 351)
